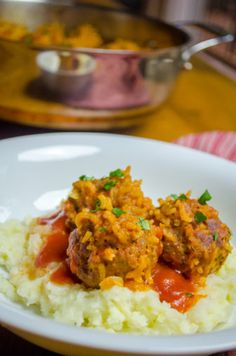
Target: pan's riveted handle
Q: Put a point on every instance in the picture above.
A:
(221, 36)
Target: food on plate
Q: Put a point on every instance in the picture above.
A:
(109, 259)
(195, 241)
(55, 34)
(111, 243)
(118, 190)
(108, 239)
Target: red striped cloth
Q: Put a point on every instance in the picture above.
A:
(219, 143)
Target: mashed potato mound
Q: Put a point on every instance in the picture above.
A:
(117, 309)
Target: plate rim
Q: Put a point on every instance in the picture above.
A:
(116, 136)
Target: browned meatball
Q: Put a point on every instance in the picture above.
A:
(105, 245)
(195, 241)
(117, 190)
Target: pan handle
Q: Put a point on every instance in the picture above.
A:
(221, 36)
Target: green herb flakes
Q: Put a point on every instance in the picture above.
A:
(215, 236)
(118, 212)
(188, 294)
(117, 173)
(144, 224)
(199, 217)
(206, 196)
(180, 197)
(103, 229)
(85, 178)
(109, 185)
(97, 206)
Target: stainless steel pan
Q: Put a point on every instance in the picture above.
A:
(124, 83)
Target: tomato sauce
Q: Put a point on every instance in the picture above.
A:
(63, 275)
(56, 220)
(54, 249)
(174, 289)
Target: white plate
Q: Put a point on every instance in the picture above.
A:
(36, 172)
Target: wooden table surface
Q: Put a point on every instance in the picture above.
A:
(203, 100)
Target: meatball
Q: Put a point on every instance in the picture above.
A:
(195, 241)
(105, 245)
(117, 190)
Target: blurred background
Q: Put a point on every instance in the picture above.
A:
(138, 94)
(219, 12)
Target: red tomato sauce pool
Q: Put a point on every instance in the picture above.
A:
(63, 275)
(55, 246)
(174, 288)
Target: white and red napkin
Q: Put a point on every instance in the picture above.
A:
(219, 143)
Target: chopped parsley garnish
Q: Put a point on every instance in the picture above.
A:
(199, 217)
(117, 173)
(215, 236)
(144, 224)
(180, 197)
(103, 229)
(85, 178)
(188, 294)
(206, 196)
(109, 185)
(118, 212)
(97, 206)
